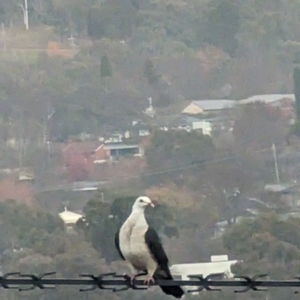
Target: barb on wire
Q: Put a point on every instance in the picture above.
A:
(98, 282)
(252, 283)
(204, 281)
(37, 281)
(119, 283)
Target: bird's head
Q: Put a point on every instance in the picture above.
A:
(141, 203)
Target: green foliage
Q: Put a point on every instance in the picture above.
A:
(150, 72)
(266, 245)
(34, 241)
(113, 19)
(265, 238)
(178, 149)
(23, 227)
(223, 24)
(105, 70)
(160, 29)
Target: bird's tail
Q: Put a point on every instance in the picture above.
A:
(165, 274)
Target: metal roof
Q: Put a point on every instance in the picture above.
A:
(120, 146)
(277, 188)
(215, 104)
(267, 98)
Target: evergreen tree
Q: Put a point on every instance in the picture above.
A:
(105, 70)
(222, 25)
(150, 72)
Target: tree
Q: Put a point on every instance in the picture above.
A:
(150, 73)
(223, 24)
(112, 19)
(269, 245)
(23, 226)
(105, 70)
(67, 261)
(178, 151)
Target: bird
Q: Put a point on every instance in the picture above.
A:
(140, 246)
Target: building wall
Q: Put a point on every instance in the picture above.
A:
(101, 154)
(204, 125)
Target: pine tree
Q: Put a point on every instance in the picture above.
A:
(105, 70)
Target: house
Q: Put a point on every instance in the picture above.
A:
(90, 151)
(69, 218)
(80, 158)
(190, 123)
(139, 129)
(26, 176)
(115, 151)
(282, 194)
(218, 266)
(115, 138)
(86, 186)
(208, 106)
(274, 99)
(207, 125)
(283, 101)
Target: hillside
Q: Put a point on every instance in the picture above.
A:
(170, 50)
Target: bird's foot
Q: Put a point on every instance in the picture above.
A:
(132, 279)
(149, 280)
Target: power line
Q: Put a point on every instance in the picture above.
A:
(171, 170)
(164, 171)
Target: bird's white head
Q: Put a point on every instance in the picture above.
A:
(141, 203)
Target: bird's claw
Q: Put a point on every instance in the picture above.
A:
(132, 279)
(148, 281)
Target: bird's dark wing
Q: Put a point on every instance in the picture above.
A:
(155, 246)
(117, 244)
(158, 253)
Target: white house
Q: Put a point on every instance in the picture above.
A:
(69, 218)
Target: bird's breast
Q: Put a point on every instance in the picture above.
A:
(133, 246)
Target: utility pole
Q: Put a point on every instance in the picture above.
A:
(25, 13)
(26, 20)
(276, 163)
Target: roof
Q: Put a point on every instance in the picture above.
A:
(119, 146)
(82, 147)
(278, 188)
(267, 98)
(215, 104)
(86, 185)
(69, 217)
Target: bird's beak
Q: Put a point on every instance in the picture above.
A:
(151, 204)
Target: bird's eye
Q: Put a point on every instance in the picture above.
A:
(141, 201)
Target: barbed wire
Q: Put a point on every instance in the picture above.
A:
(119, 283)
